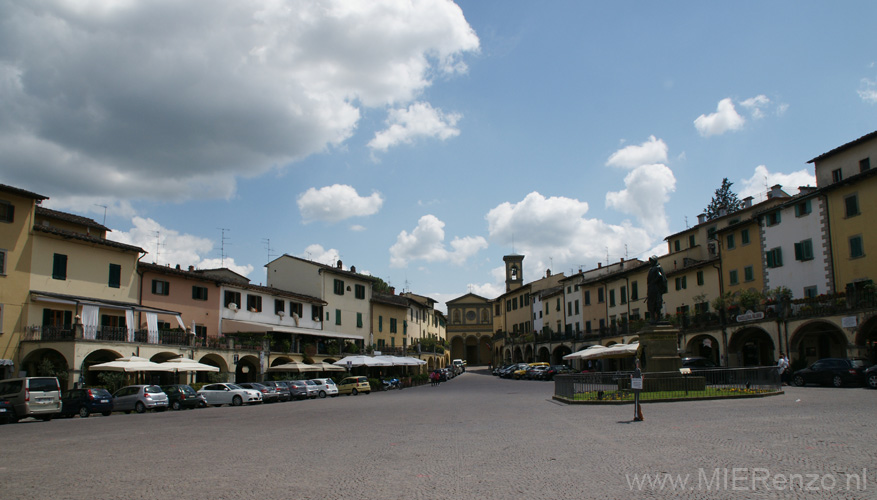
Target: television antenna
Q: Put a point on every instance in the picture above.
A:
(222, 241)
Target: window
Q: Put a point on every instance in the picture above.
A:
(836, 175)
(515, 304)
(611, 298)
(508, 305)
(775, 257)
(558, 304)
(337, 316)
(339, 287)
(569, 308)
(296, 308)
(733, 277)
(810, 292)
(115, 278)
(199, 292)
(7, 211)
(232, 298)
(802, 209)
(201, 332)
(600, 294)
(676, 245)
(577, 305)
(773, 218)
(744, 236)
(160, 287)
(2, 262)
(857, 247)
(316, 312)
(804, 250)
(691, 242)
(700, 278)
(851, 204)
(381, 323)
(623, 295)
(634, 292)
(57, 319)
(254, 303)
(359, 320)
(59, 267)
(681, 283)
(730, 241)
(360, 291)
(865, 164)
(279, 306)
(587, 297)
(748, 273)
(588, 326)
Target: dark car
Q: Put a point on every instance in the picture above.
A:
(280, 388)
(871, 377)
(181, 396)
(555, 370)
(298, 389)
(84, 402)
(7, 412)
(698, 363)
(269, 395)
(835, 371)
(536, 372)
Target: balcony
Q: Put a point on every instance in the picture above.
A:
(107, 334)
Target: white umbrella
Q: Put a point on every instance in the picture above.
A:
(131, 364)
(189, 365)
(295, 366)
(362, 361)
(590, 351)
(407, 361)
(327, 367)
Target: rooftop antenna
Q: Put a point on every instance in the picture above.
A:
(157, 245)
(607, 256)
(626, 256)
(104, 223)
(686, 223)
(267, 243)
(222, 246)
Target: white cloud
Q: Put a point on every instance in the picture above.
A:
(868, 91)
(426, 242)
(419, 120)
(723, 120)
(336, 203)
(169, 247)
(316, 253)
(358, 228)
(762, 180)
(106, 98)
(756, 105)
(647, 190)
(554, 234)
(652, 151)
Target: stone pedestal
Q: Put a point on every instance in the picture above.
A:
(658, 348)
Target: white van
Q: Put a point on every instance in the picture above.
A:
(38, 397)
(460, 364)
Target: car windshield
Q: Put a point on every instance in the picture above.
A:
(187, 390)
(100, 393)
(152, 389)
(234, 386)
(310, 382)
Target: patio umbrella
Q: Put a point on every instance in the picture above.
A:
(188, 365)
(295, 366)
(406, 361)
(621, 350)
(131, 364)
(328, 367)
(590, 351)
(363, 361)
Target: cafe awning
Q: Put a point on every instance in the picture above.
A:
(231, 326)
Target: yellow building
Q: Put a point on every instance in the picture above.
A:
(389, 316)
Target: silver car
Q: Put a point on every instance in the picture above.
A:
(298, 389)
(140, 398)
(229, 394)
(313, 388)
(326, 387)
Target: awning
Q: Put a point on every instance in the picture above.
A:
(238, 326)
(6, 362)
(85, 301)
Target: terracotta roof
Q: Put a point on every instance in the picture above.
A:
(76, 219)
(840, 149)
(393, 300)
(22, 192)
(86, 238)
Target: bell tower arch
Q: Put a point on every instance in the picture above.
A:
(514, 272)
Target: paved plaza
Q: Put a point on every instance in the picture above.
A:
(474, 437)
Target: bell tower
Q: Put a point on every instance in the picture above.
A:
(514, 272)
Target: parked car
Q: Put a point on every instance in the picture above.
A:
(7, 412)
(498, 370)
(181, 396)
(871, 377)
(229, 394)
(536, 372)
(698, 363)
(280, 388)
(521, 372)
(139, 398)
(460, 363)
(38, 397)
(326, 387)
(313, 389)
(835, 371)
(298, 389)
(555, 370)
(354, 385)
(269, 395)
(84, 402)
(509, 371)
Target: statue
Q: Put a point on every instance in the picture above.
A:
(657, 285)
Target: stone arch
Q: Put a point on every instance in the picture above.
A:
(281, 360)
(751, 346)
(558, 354)
(507, 357)
(89, 378)
(528, 354)
(543, 355)
(815, 340)
(47, 362)
(247, 369)
(705, 346)
(458, 347)
(212, 360)
(866, 339)
(517, 355)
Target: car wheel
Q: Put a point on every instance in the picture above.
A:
(175, 406)
(322, 394)
(354, 392)
(799, 381)
(83, 412)
(237, 401)
(107, 413)
(140, 407)
(127, 412)
(837, 381)
(872, 381)
(12, 417)
(216, 406)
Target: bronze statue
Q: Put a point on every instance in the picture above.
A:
(657, 285)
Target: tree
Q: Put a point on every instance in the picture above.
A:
(380, 285)
(724, 199)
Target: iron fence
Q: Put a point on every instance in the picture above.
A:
(719, 382)
(105, 334)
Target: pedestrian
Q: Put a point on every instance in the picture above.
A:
(783, 368)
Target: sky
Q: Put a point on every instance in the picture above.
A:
(421, 141)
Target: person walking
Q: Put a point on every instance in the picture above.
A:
(783, 368)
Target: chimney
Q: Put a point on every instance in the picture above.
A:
(548, 273)
(747, 202)
(191, 268)
(806, 189)
(178, 267)
(392, 290)
(723, 211)
(776, 191)
(599, 265)
(338, 265)
(352, 269)
(701, 218)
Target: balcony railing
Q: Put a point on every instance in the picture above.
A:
(106, 334)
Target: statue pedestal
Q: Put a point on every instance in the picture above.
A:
(658, 348)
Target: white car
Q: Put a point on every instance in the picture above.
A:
(313, 388)
(229, 394)
(326, 387)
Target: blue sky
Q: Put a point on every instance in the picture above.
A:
(422, 141)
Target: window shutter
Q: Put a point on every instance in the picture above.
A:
(799, 251)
